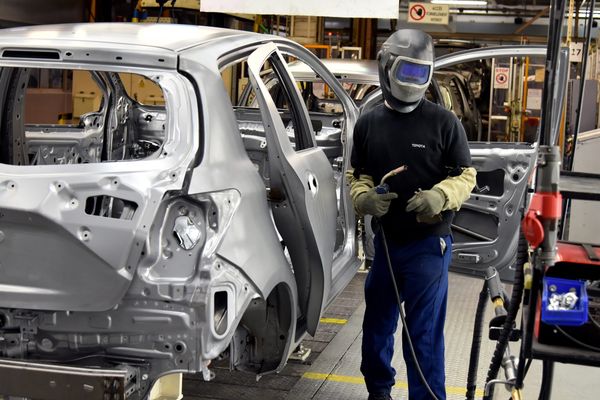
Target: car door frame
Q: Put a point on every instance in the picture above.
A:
(302, 189)
(518, 162)
(346, 261)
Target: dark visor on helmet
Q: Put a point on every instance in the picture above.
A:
(410, 72)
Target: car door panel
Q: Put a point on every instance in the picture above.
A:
(302, 194)
(333, 138)
(486, 229)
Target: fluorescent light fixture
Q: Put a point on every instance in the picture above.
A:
(586, 14)
(461, 2)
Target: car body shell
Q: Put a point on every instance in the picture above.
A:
(215, 257)
(118, 291)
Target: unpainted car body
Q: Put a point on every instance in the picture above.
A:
(458, 98)
(146, 240)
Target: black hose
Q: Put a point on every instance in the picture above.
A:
(476, 344)
(527, 366)
(546, 386)
(555, 25)
(515, 303)
(402, 316)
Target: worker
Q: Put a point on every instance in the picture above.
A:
(415, 215)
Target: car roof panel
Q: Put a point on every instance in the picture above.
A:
(166, 36)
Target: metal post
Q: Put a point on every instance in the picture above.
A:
(547, 199)
(547, 183)
(510, 100)
(557, 15)
(524, 100)
(545, 254)
(490, 110)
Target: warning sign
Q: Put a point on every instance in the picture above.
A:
(427, 13)
(501, 75)
(417, 12)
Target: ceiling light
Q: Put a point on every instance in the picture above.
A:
(461, 2)
(585, 14)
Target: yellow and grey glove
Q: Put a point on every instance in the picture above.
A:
(457, 189)
(358, 185)
(427, 203)
(449, 194)
(373, 203)
(364, 197)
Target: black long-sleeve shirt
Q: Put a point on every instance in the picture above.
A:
(429, 140)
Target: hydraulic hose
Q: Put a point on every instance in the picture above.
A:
(515, 303)
(476, 344)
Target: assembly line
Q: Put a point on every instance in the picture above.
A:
(225, 199)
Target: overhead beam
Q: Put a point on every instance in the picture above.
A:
(489, 37)
(537, 16)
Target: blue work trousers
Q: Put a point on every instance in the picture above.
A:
(421, 271)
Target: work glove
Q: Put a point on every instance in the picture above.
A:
(373, 203)
(448, 194)
(427, 203)
(365, 202)
(457, 189)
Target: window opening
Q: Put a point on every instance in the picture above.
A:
(63, 116)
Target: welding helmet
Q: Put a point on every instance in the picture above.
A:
(405, 68)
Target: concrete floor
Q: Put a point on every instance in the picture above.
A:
(332, 371)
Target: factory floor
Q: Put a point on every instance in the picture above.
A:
(331, 372)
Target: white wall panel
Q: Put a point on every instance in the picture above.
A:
(330, 8)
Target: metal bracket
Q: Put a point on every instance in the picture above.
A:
(58, 382)
(301, 353)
